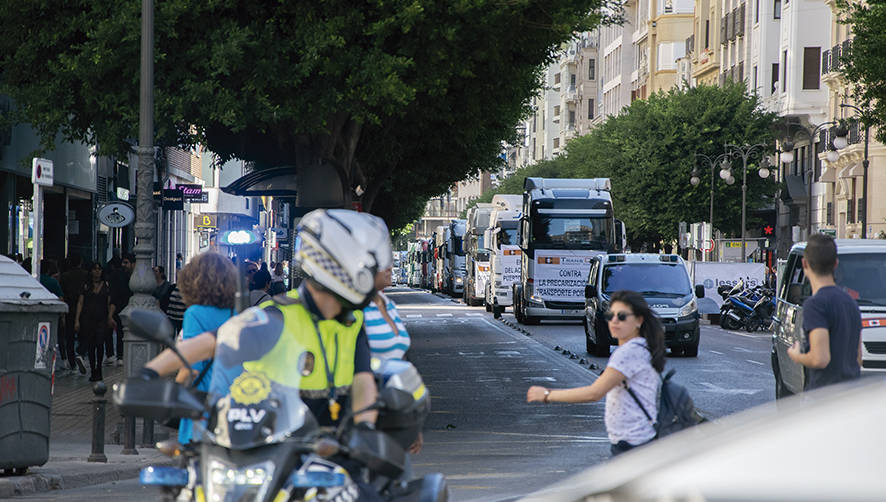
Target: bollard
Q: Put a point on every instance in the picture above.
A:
(129, 437)
(98, 423)
(147, 433)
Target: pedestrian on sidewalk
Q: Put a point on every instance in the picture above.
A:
(120, 295)
(72, 282)
(831, 320)
(95, 319)
(636, 363)
(277, 280)
(208, 285)
(164, 288)
(175, 311)
(261, 283)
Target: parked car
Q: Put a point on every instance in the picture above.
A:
(819, 446)
(662, 279)
(861, 271)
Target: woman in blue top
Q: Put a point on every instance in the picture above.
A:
(208, 284)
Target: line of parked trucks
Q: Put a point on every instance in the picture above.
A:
(529, 252)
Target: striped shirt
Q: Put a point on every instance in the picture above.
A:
(383, 342)
(176, 309)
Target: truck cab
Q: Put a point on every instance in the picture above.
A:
(439, 255)
(477, 255)
(504, 250)
(456, 257)
(563, 225)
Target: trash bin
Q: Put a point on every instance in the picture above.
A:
(29, 321)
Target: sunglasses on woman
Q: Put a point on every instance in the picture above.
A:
(621, 316)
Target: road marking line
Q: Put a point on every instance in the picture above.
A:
(715, 352)
(444, 315)
(755, 362)
(474, 314)
(412, 316)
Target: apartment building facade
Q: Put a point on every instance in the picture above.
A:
(840, 198)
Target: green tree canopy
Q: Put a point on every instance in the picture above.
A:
(648, 151)
(865, 63)
(402, 97)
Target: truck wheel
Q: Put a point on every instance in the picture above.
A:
(690, 350)
(589, 344)
(601, 348)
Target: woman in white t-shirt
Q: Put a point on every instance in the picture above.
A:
(637, 362)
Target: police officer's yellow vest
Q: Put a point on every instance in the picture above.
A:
(299, 344)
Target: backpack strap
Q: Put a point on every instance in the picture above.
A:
(637, 400)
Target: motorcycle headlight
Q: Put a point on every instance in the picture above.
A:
(242, 483)
(689, 309)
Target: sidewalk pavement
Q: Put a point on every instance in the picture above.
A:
(71, 442)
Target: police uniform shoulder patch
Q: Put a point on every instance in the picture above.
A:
(251, 388)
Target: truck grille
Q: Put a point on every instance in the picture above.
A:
(565, 305)
(875, 347)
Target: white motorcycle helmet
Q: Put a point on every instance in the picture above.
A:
(341, 250)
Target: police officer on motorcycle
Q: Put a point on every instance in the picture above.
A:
(313, 335)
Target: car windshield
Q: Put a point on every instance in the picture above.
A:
(863, 276)
(508, 236)
(582, 232)
(667, 279)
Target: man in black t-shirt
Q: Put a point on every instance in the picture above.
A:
(831, 320)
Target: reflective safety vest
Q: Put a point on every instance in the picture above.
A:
(297, 357)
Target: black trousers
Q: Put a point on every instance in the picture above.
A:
(68, 342)
(109, 341)
(93, 337)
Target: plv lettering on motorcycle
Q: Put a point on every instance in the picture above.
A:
(245, 418)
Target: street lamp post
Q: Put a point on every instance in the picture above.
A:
(787, 157)
(137, 351)
(841, 142)
(695, 180)
(745, 151)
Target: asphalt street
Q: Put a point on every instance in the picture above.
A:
(482, 434)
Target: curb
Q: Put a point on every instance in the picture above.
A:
(29, 484)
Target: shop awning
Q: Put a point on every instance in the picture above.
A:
(796, 188)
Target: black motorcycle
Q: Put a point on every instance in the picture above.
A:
(262, 443)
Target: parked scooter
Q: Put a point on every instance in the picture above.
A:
(749, 308)
(262, 442)
(764, 308)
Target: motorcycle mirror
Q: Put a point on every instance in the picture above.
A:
(699, 290)
(395, 399)
(153, 326)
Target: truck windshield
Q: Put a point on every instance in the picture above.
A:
(457, 247)
(654, 278)
(863, 276)
(508, 236)
(582, 232)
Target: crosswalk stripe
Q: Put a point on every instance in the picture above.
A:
(412, 316)
(444, 315)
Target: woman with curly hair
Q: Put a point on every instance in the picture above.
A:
(208, 284)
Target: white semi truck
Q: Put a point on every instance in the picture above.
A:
(504, 251)
(565, 222)
(456, 259)
(477, 255)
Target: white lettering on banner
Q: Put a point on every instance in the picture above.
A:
(481, 276)
(510, 265)
(561, 278)
(715, 274)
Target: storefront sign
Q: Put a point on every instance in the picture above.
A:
(191, 192)
(206, 220)
(173, 200)
(116, 214)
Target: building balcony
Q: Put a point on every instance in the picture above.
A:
(571, 94)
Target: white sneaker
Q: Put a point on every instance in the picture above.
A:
(81, 365)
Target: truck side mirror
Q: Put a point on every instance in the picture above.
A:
(590, 291)
(699, 290)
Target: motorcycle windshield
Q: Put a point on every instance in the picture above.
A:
(257, 373)
(271, 414)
